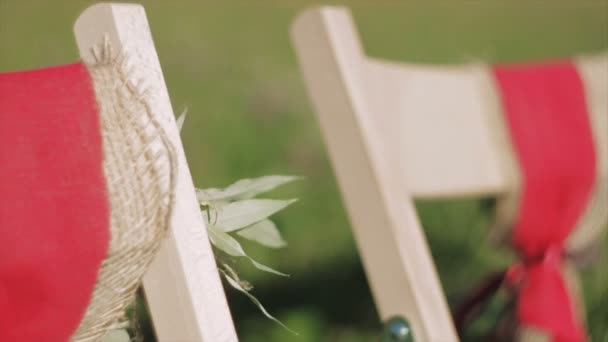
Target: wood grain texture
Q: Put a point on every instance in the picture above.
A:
(183, 287)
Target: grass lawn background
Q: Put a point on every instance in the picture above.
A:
(231, 64)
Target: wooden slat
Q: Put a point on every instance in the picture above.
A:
(433, 123)
(182, 287)
(592, 225)
(387, 230)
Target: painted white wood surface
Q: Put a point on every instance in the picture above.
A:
(358, 101)
(434, 121)
(183, 287)
(594, 74)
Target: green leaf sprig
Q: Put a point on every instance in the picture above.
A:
(234, 210)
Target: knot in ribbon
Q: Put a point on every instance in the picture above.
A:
(543, 298)
(546, 114)
(552, 258)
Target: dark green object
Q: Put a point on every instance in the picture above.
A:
(397, 329)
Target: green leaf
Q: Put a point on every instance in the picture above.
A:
(225, 242)
(265, 268)
(265, 233)
(180, 120)
(120, 335)
(248, 188)
(240, 214)
(231, 246)
(211, 195)
(244, 188)
(236, 284)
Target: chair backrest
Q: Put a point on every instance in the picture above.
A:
(396, 132)
(182, 287)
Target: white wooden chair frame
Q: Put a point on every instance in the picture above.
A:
(182, 287)
(396, 132)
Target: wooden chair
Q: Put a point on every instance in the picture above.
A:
(397, 132)
(182, 286)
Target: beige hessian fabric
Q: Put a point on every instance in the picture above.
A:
(140, 171)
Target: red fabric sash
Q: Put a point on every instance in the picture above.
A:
(546, 112)
(54, 222)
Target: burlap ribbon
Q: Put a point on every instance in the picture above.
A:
(140, 170)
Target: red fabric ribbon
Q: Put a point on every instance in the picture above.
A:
(54, 215)
(546, 113)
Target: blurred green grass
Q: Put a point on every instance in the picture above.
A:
(231, 64)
